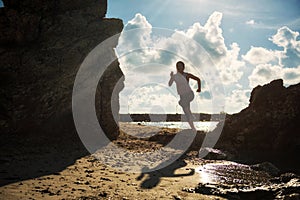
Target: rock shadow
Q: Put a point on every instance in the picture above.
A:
(44, 151)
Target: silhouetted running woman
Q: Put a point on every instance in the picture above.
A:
(184, 90)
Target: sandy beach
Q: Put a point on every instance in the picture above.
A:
(89, 178)
(30, 172)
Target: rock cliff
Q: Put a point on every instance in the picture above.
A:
(42, 44)
(268, 129)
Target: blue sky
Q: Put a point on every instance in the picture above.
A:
(267, 16)
(1, 3)
(248, 43)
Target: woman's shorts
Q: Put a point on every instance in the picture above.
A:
(186, 99)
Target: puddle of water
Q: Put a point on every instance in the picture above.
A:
(231, 174)
(237, 181)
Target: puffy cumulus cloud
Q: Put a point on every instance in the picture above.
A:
(264, 73)
(147, 55)
(286, 38)
(210, 35)
(143, 75)
(140, 37)
(237, 100)
(289, 57)
(152, 98)
(291, 75)
(230, 66)
(202, 48)
(269, 65)
(135, 36)
(211, 38)
(194, 45)
(260, 55)
(159, 99)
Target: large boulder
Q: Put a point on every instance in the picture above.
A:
(43, 44)
(267, 130)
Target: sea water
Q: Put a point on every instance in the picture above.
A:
(200, 126)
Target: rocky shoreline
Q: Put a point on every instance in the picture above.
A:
(267, 130)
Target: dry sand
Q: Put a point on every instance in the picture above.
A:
(89, 178)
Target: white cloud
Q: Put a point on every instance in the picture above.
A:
(230, 66)
(211, 38)
(250, 22)
(264, 73)
(210, 35)
(270, 65)
(291, 75)
(199, 46)
(286, 38)
(183, 44)
(237, 100)
(260, 55)
(288, 57)
(152, 98)
(147, 56)
(136, 35)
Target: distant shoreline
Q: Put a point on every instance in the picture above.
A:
(168, 117)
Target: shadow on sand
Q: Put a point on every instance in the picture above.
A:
(41, 152)
(47, 151)
(154, 175)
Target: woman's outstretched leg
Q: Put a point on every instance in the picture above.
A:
(188, 113)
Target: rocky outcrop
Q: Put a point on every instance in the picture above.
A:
(231, 180)
(27, 21)
(43, 44)
(280, 190)
(268, 129)
(105, 101)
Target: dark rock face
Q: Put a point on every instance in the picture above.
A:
(43, 44)
(26, 21)
(266, 167)
(107, 104)
(268, 129)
